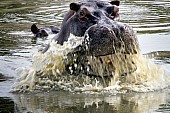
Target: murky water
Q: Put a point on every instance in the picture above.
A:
(151, 20)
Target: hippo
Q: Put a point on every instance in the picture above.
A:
(105, 40)
(107, 55)
(83, 15)
(108, 46)
(95, 18)
(44, 31)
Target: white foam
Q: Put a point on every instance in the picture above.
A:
(47, 73)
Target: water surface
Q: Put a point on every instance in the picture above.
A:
(150, 19)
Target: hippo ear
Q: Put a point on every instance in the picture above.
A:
(115, 2)
(34, 29)
(74, 6)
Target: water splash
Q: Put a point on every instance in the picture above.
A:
(117, 73)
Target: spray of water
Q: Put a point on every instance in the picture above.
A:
(116, 73)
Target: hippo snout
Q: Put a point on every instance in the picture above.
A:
(101, 40)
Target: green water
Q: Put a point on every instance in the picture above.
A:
(151, 20)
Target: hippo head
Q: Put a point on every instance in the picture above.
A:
(85, 14)
(44, 31)
(39, 32)
(94, 20)
(106, 42)
(89, 13)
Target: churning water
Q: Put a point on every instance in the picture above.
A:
(130, 72)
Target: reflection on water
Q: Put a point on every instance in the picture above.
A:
(151, 20)
(164, 108)
(6, 105)
(62, 102)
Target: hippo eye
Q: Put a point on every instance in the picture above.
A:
(83, 17)
(82, 14)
